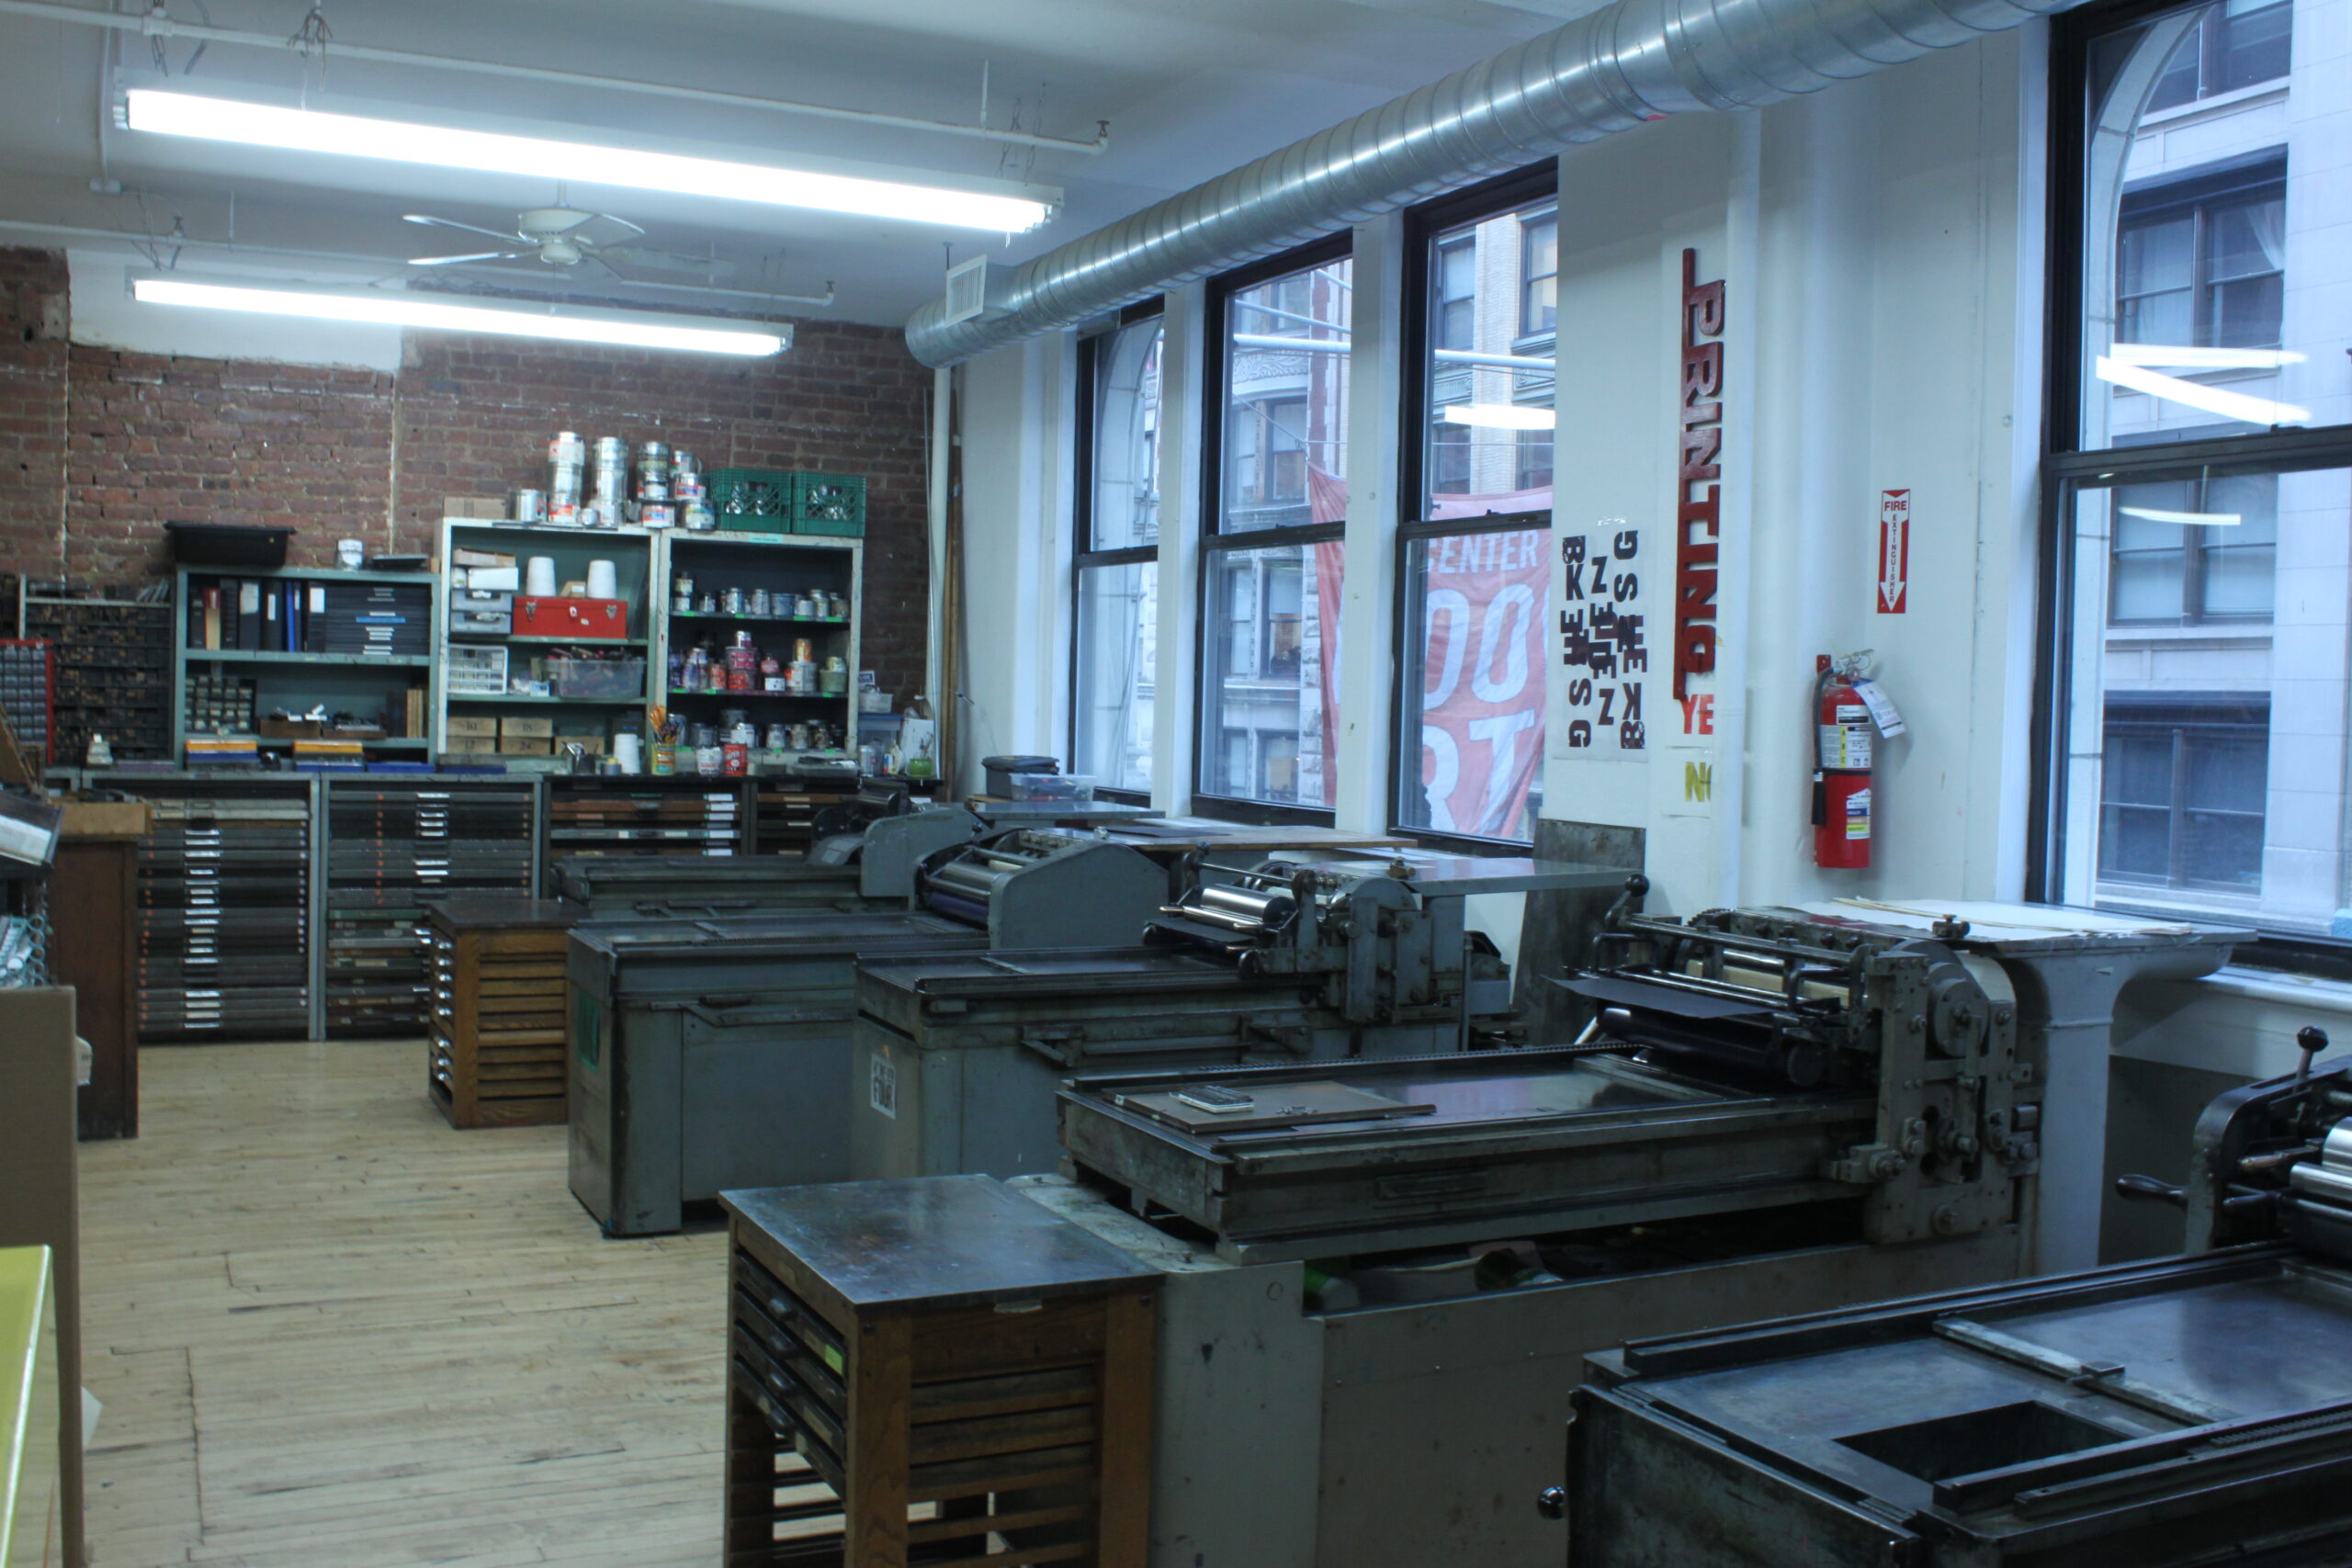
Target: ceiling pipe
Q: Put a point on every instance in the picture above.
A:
(155, 24)
(1630, 62)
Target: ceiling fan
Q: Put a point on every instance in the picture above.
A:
(561, 235)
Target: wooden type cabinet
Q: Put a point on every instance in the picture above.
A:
(496, 965)
(932, 1371)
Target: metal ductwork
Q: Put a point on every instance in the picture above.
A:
(1629, 61)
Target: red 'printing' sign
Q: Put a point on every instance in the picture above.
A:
(1698, 496)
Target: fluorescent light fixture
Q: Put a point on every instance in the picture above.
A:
(1499, 416)
(490, 151)
(512, 321)
(2212, 399)
(2181, 358)
(2195, 519)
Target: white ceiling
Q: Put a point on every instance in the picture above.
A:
(1189, 88)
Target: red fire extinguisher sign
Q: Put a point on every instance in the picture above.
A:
(1894, 551)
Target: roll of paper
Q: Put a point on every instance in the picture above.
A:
(538, 576)
(604, 581)
(628, 750)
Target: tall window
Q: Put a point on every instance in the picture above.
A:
(1118, 574)
(1474, 536)
(1271, 566)
(2200, 477)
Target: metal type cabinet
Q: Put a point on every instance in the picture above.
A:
(392, 844)
(226, 907)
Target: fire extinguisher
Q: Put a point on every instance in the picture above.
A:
(1841, 768)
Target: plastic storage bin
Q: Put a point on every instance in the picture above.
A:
(1069, 787)
(568, 677)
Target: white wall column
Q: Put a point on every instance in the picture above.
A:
(1183, 372)
(1368, 643)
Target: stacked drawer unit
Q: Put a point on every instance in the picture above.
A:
(646, 816)
(225, 912)
(114, 675)
(392, 844)
(934, 1371)
(496, 966)
(370, 619)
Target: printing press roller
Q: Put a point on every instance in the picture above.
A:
(1032, 888)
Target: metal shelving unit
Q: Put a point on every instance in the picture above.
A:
(634, 553)
(299, 679)
(777, 563)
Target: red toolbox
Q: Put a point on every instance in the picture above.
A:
(571, 618)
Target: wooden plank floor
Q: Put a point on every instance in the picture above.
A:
(330, 1332)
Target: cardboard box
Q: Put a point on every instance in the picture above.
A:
(579, 618)
(511, 746)
(472, 726)
(475, 507)
(106, 819)
(525, 729)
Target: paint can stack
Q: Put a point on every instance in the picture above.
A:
(567, 461)
(655, 509)
(688, 493)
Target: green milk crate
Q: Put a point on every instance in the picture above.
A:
(829, 503)
(753, 501)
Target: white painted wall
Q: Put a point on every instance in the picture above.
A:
(1882, 246)
(1868, 237)
(1012, 406)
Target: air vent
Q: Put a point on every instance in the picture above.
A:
(976, 290)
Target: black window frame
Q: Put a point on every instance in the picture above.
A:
(1423, 224)
(1083, 554)
(1217, 540)
(2068, 467)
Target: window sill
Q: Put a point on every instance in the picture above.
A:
(2309, 991)
(1461, 844)
(2237, 1021)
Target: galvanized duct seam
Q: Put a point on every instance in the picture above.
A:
(1630, 62)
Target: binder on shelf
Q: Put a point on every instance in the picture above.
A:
(248, 614)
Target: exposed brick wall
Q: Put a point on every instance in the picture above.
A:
(100, 446)
(156, 436)
(33, 319)
(474, 416)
